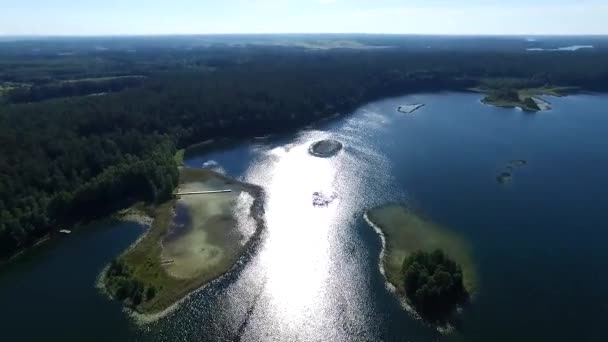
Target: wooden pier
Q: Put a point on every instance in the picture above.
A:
(201, 192)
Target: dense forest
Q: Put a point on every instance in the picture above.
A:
(67, 158)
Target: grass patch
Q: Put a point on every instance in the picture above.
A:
(547, 90)
(102, 79)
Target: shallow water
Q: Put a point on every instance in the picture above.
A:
(209, 231)
(538, 242)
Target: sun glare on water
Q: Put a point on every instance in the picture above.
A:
(298, 247)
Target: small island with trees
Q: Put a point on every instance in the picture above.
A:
(518, 93)
(510, 98)
(428, 266)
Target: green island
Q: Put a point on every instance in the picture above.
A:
(193, 239)
(519, 94)
(416, 255)
(509, 98)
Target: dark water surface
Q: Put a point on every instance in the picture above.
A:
(539, 242)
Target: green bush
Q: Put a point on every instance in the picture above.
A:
(124, 286)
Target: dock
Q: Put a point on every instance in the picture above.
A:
(202, 192)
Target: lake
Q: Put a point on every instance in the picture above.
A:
(538, 242)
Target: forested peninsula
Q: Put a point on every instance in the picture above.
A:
(85, 134)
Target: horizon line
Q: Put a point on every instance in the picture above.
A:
(301, 33)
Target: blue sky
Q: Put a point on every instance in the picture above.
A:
(86, 17)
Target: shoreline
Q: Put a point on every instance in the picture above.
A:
(134, 214)
(400, 296)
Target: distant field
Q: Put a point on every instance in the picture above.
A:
(26, 93)
(547, 90)
(329, 44)
(102, 79)
(8, 86)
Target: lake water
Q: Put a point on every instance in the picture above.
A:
(539, 242)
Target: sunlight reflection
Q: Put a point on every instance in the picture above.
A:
(297, 254)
